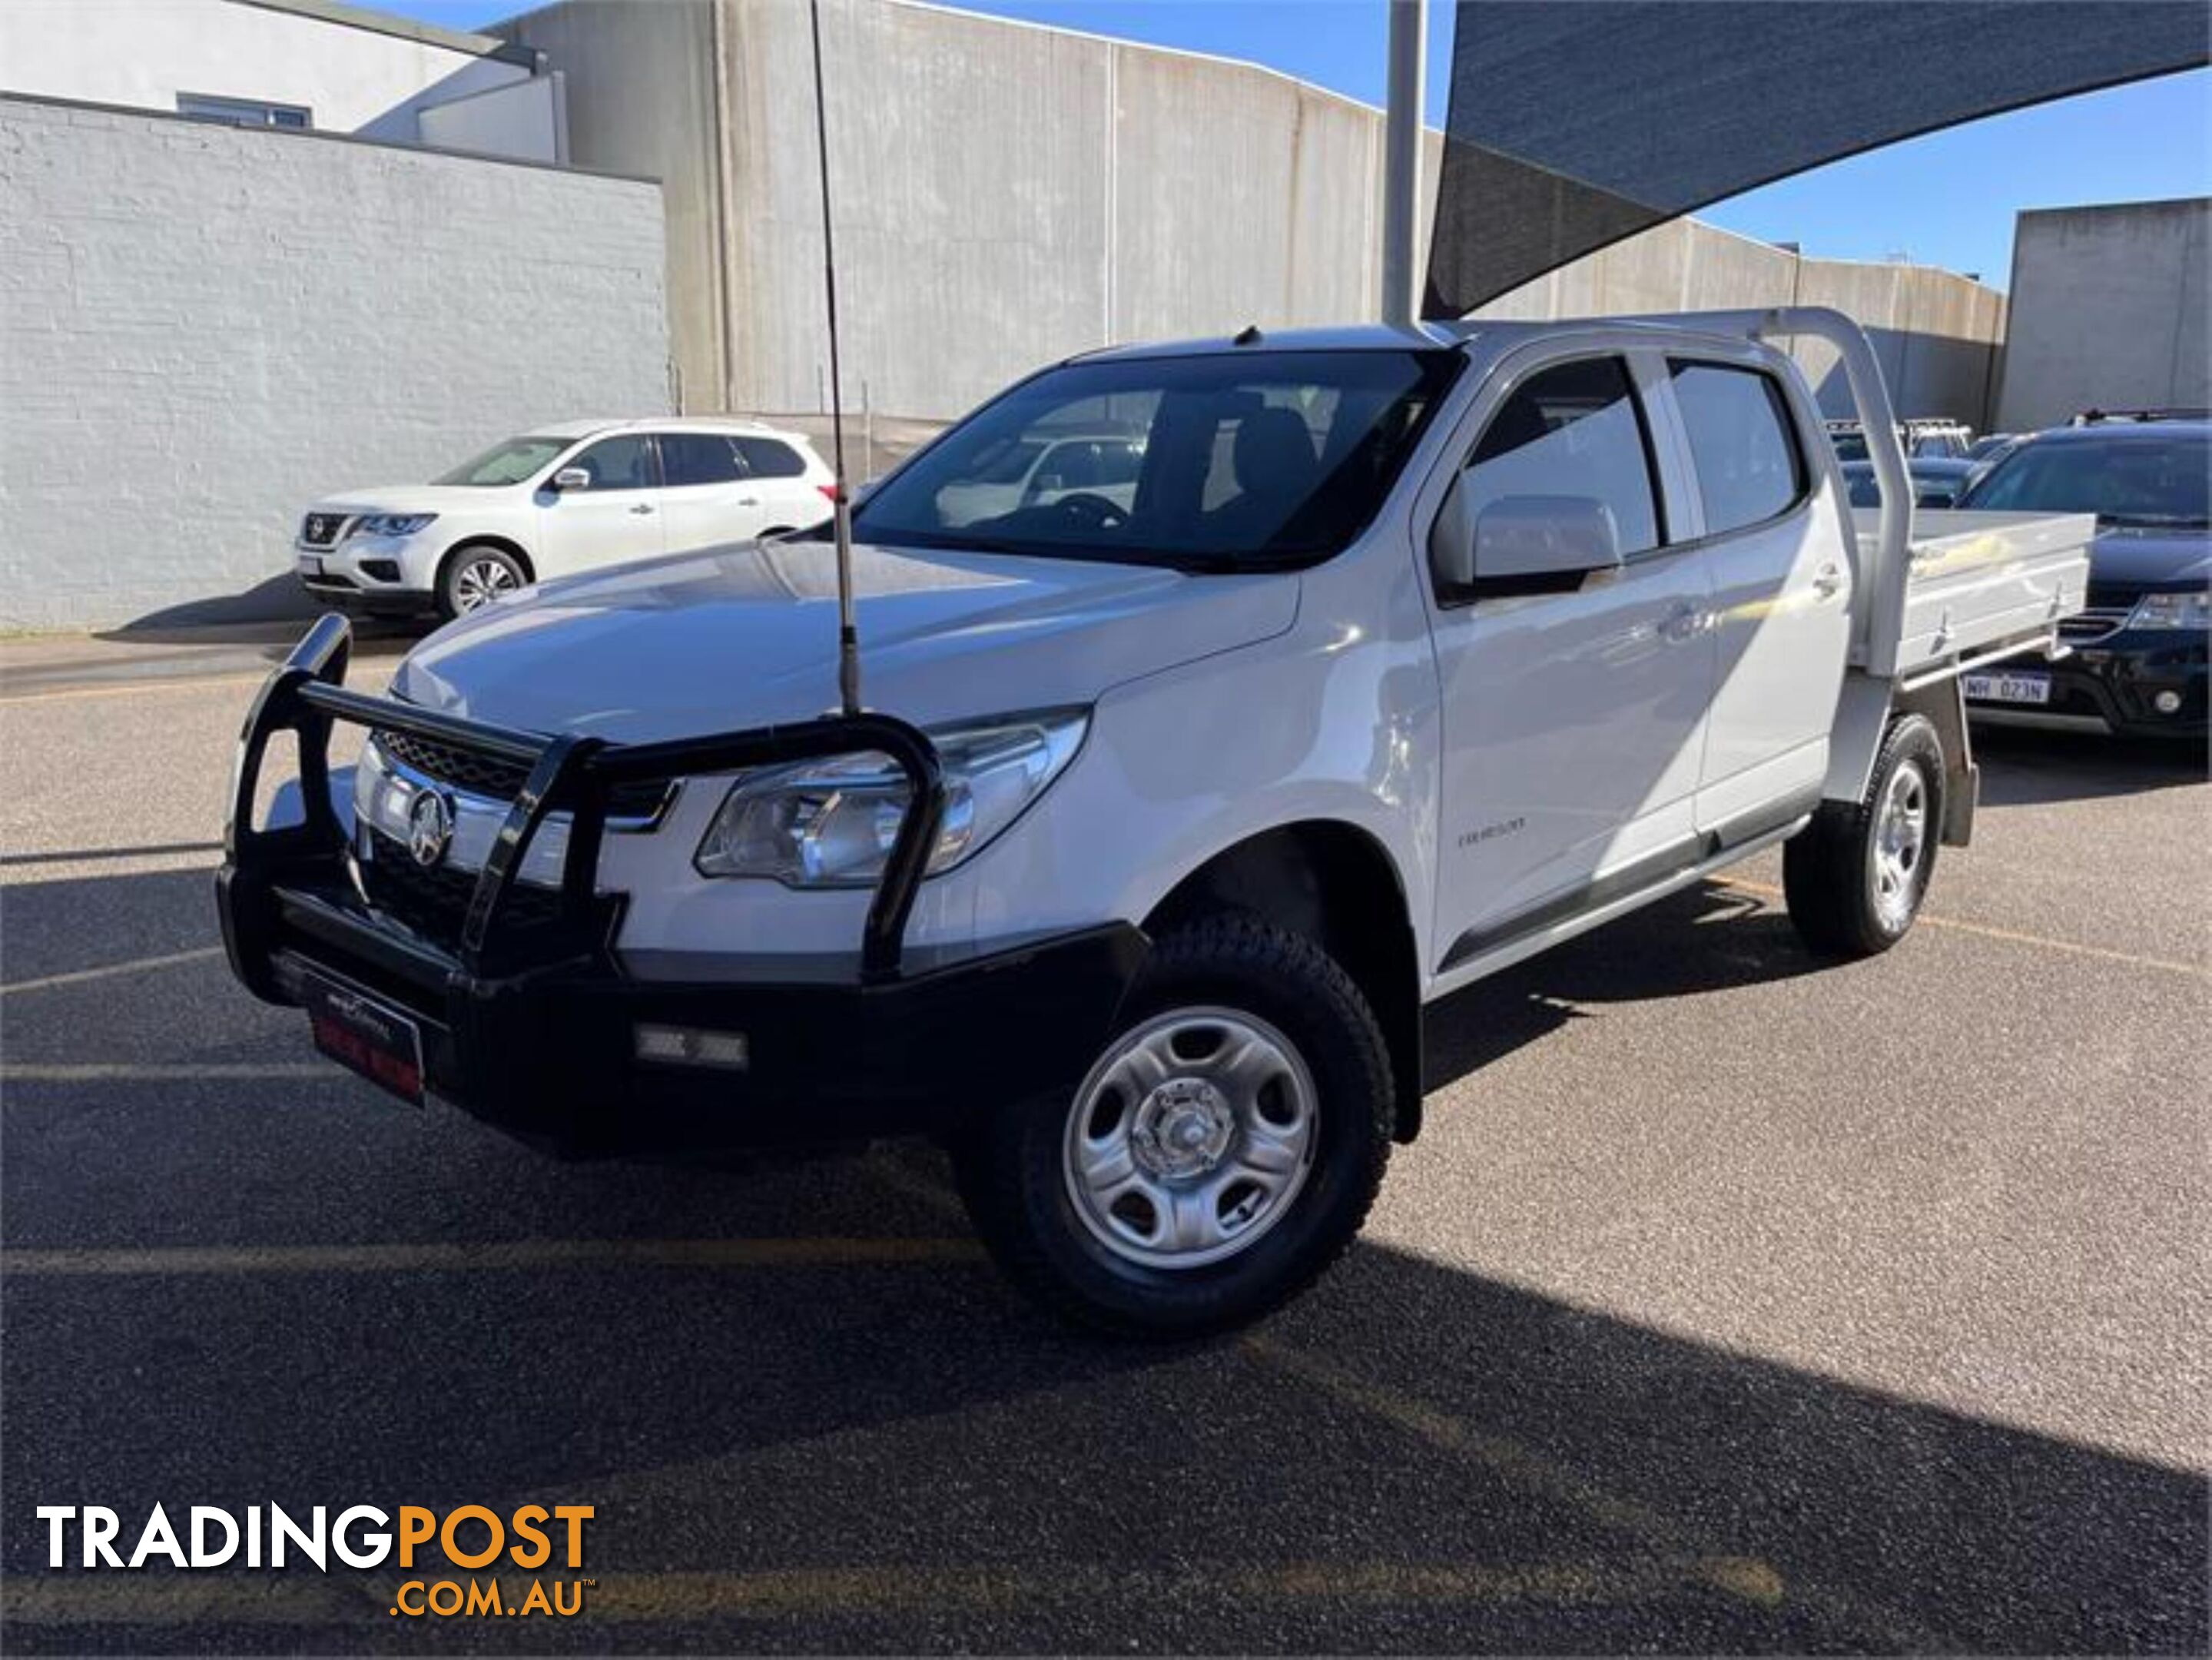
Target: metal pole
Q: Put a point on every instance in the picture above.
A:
(1401, 157)
(848, 637)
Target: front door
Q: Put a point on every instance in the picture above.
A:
(614, 518)
(1573, 718)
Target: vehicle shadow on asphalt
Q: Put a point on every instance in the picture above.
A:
(273, 633)
(1647, 955)
(837, 1453)
(2022, 766)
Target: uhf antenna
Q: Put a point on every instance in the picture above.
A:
(848, 637)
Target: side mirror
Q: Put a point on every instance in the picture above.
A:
(572, 478)
(1521, 538)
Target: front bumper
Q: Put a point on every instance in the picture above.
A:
(533, 1024)
(2118, 682)
(383, 574)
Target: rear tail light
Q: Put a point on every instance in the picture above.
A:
(828, 493)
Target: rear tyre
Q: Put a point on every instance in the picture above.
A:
(1855, 876)
(476, 574)
(1223, 1151)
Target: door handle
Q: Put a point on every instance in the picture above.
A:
(749, 500)
(1828, 582)
(642, 507)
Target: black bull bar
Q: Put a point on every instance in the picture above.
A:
(569, 774)
(527, 1021)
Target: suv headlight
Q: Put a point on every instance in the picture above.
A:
(830, 824)
(2172, 611)
(392, 524)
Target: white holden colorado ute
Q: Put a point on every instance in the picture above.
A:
(1168, 812)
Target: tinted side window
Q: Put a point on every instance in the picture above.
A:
(1067, 467)
(1574, 430)
(1742, 442)
(698, 457)
(619, 464)
(1119, 463)
(767, 459)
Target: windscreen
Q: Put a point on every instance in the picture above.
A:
(510, 463)
(2139, 481)
(1240, 461)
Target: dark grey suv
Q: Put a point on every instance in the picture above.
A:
(2138, 664)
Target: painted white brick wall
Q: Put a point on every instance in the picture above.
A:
(202, 328)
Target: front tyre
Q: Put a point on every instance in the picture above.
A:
(476, 574)
(1855, 876)
(1222, 1152)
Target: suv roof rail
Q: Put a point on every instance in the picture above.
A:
(2097, 418)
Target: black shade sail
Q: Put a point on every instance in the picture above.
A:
(1576, 123)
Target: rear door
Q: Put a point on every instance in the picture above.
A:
(1573, 713)
(615, 517)
(791, 493)
(1781, 573)
(706, 494)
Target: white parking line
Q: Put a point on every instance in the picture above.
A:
(182, 1072)
(136, 965)
(2010, 936)
(447, 1256)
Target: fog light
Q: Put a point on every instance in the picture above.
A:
(383, 570)
(692, 1046)
(2166, 703)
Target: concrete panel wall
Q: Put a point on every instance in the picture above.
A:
(202, 328)
(1935, 333)
(641, 94)
(973, 183)
(2110, 307)
(1006, 195)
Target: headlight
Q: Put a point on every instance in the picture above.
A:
(2172, 611)
(392, 524)
(830, 824)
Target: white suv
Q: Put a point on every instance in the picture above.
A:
(567, 497)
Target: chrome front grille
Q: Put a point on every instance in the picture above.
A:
(435, 901)
(629, 807)
(2086, 628)
(455, 768)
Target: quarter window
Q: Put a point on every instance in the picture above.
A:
(698, 457)
(766, 459)
(624, 463)
(1573, 429)
(1742, 441)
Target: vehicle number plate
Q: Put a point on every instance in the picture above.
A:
(366, 1035)
(310, 566)
(2008, 687)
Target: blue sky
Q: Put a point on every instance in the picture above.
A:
(1944, 200)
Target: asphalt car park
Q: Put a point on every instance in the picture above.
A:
(1727, 1301)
